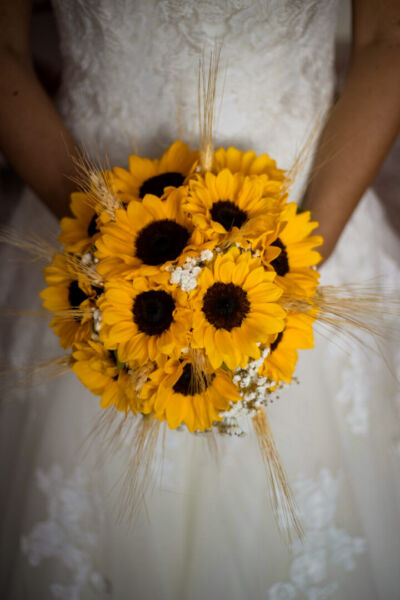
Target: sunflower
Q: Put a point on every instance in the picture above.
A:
(147, 176)
(247, 163)
(235, 309)
(174, 394)
(146, 236)
(141, 319)
(229, 207)
(281, 361)
(79, 233)
(296, 254)
(71, 297)
(99, 371)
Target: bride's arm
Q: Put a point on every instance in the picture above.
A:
(33, 136)
(363, 123)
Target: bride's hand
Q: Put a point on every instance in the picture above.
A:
(364, 122)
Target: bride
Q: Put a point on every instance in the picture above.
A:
(205, 528)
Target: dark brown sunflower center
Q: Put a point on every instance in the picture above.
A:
(75, 295)
(156, 185)
(92, 227)
(281, 262)
(225, 305)
(228, 214)
(161, 241)
(152, 311)
(276, 343)
(188, 384)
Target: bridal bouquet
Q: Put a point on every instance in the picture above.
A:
(185, 287)
(185, 293)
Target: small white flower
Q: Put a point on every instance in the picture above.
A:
(245, 381)
(176, 275)
(97, 319)
(87, 258)
(206, 255)
(189, 285)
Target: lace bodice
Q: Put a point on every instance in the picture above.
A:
(131, 68)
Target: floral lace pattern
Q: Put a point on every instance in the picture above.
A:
(353, 390)
(130, 73)
(324, 547)
(69, 534)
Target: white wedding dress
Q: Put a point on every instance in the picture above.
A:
(205, 529)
